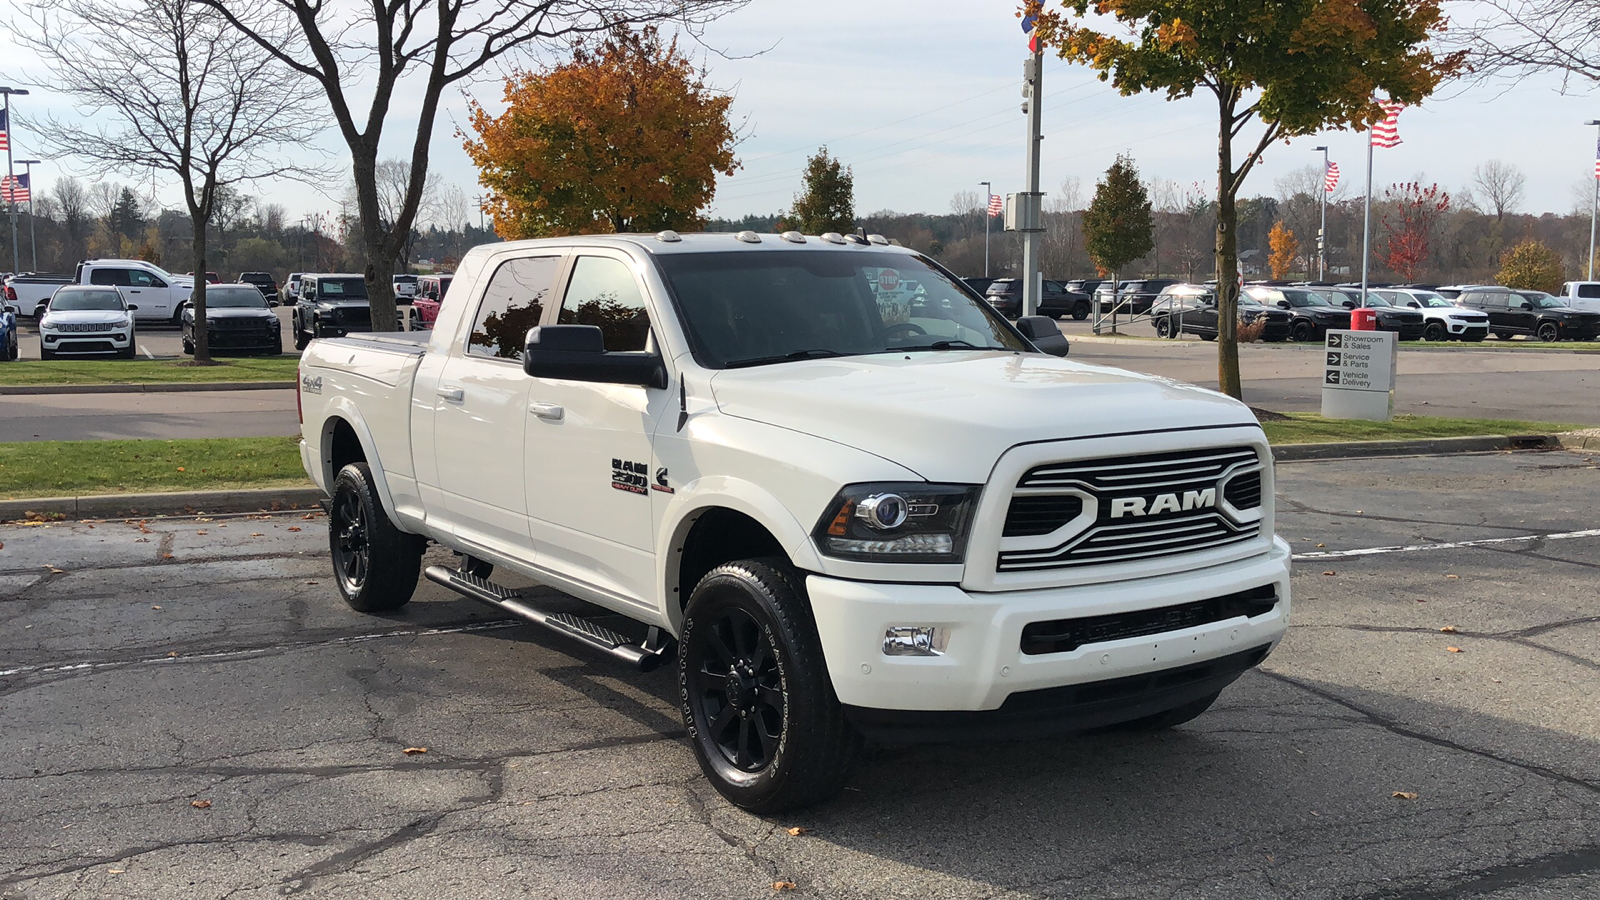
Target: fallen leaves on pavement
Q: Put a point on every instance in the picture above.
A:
(1453, 649)
(200, 804)
(781, 886)
(797, 831)
(1448, 629)
(413, 751)
(1404, 795)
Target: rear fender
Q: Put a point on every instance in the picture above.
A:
(342, 408)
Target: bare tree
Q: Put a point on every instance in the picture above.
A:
(72, 200)
(968, 207)
(431, 45)
(167, 85)
(1499, 185)
(1511, 37)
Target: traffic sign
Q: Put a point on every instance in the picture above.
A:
(1358, 375)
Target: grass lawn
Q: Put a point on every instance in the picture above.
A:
(70, 468)
(1309, 428)
(145, 371)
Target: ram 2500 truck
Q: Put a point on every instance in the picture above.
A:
(844, 511)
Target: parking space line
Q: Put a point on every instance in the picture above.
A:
(256, 651)
(1449, 545)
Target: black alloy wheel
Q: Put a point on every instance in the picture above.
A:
(1435, 331)
(1303, 332)
(1163, 328)
(375, 564)
(1080, 311)
(758, 703)
(1549, 332)
(1504, 335)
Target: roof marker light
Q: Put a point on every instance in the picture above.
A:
(878, 239)
(793, 237)
(668, 237)
(833, 237)
(749, 237)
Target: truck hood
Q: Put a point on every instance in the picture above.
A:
(950, 415)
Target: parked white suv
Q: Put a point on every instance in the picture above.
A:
(85, 319)
(1442, 319)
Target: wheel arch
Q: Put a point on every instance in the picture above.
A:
(344, 439)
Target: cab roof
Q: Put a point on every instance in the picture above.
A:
(665, 243)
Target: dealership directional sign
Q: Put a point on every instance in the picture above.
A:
(1358, 375)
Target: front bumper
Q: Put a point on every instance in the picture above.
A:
(983, 665)
(87, 341)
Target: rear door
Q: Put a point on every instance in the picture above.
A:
(589, 452)
(480, 409)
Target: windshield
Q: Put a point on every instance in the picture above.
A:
(1375, 300)
(746, 309)
(66, 301)
(1302, 299)
(235, 298)
(1540, 300)
(341, 289)
(405, 279)
(1430, 299)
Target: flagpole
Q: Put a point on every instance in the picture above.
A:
(988, 198)
(1366, 222)
(11, 203)
(1322, 232)
(33, 237)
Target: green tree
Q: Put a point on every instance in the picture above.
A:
(1532, 266)
(1291, 68)
(828, 201)
(125, 222)
(1117, 228)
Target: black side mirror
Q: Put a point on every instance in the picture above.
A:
(1527, 304)
(1283, 304)
(1044, 334)
(1349, 304)
(578, 353)
(132, 307)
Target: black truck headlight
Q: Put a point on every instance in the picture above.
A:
(898, 522)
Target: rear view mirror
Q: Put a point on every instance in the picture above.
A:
(578, 353)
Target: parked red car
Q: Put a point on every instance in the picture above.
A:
(430, 293)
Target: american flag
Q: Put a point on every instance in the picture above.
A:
(5, 131)
(998, 206)
(1387, 132)
(15, 189)
(1597, 159)
(1330, 180)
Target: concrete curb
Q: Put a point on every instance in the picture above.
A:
(122, 506)
(1420, 447)
(153, 388)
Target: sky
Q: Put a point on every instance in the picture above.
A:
(923, 100)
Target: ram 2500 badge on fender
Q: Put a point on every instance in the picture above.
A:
(846, 512)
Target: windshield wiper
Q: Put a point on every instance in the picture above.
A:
(953, 344)
(785, 357)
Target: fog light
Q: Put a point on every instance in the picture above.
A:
(915, 640)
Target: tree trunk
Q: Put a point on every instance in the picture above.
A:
(202, 337)
(378, 270)
(1227, 262)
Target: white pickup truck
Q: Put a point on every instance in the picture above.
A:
(845, 511)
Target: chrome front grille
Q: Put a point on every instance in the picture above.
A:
(1151, 505)
(84, 327)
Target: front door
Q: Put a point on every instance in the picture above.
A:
(480, 417)
(588, 457)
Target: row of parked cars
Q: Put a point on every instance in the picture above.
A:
(1305, 312)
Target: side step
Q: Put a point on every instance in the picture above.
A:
(643, 657)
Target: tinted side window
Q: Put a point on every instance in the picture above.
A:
(603, 293)
(1589, 290)
(139, 278)
(109, 276)
(513, 304)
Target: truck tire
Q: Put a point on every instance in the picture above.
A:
(374, 563)
(1172, 718)
(757, 701)
(1080, 311)
(1435, 331)
(1504, 335)
(300, 339)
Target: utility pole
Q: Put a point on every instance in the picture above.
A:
(11, 205)
(1025, 214)
(1322, 231)
(988, 197)
(1594, 213)
(33, 240)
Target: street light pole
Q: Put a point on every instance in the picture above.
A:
(1322, 232)
(11, 205)
(988, 197)
(1594, 213)
(33, 239)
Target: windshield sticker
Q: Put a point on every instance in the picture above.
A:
(629, 476)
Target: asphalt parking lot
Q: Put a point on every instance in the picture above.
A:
(187, 709)
(151, 339)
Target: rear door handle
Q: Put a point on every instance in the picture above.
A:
(547, 411)
(452, 395)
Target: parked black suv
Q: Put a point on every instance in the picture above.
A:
(330, 306)
(264, 282)
(1192, 309)
(1311, 313)
(1005, 295)
(1514, 312)
(1137, 294)
(1407, 323)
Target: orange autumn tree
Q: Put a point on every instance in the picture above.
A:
(625, 137)
(1276, 70)
(1284, 246)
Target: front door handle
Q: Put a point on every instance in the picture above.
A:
(452, 395)
(547, 411)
